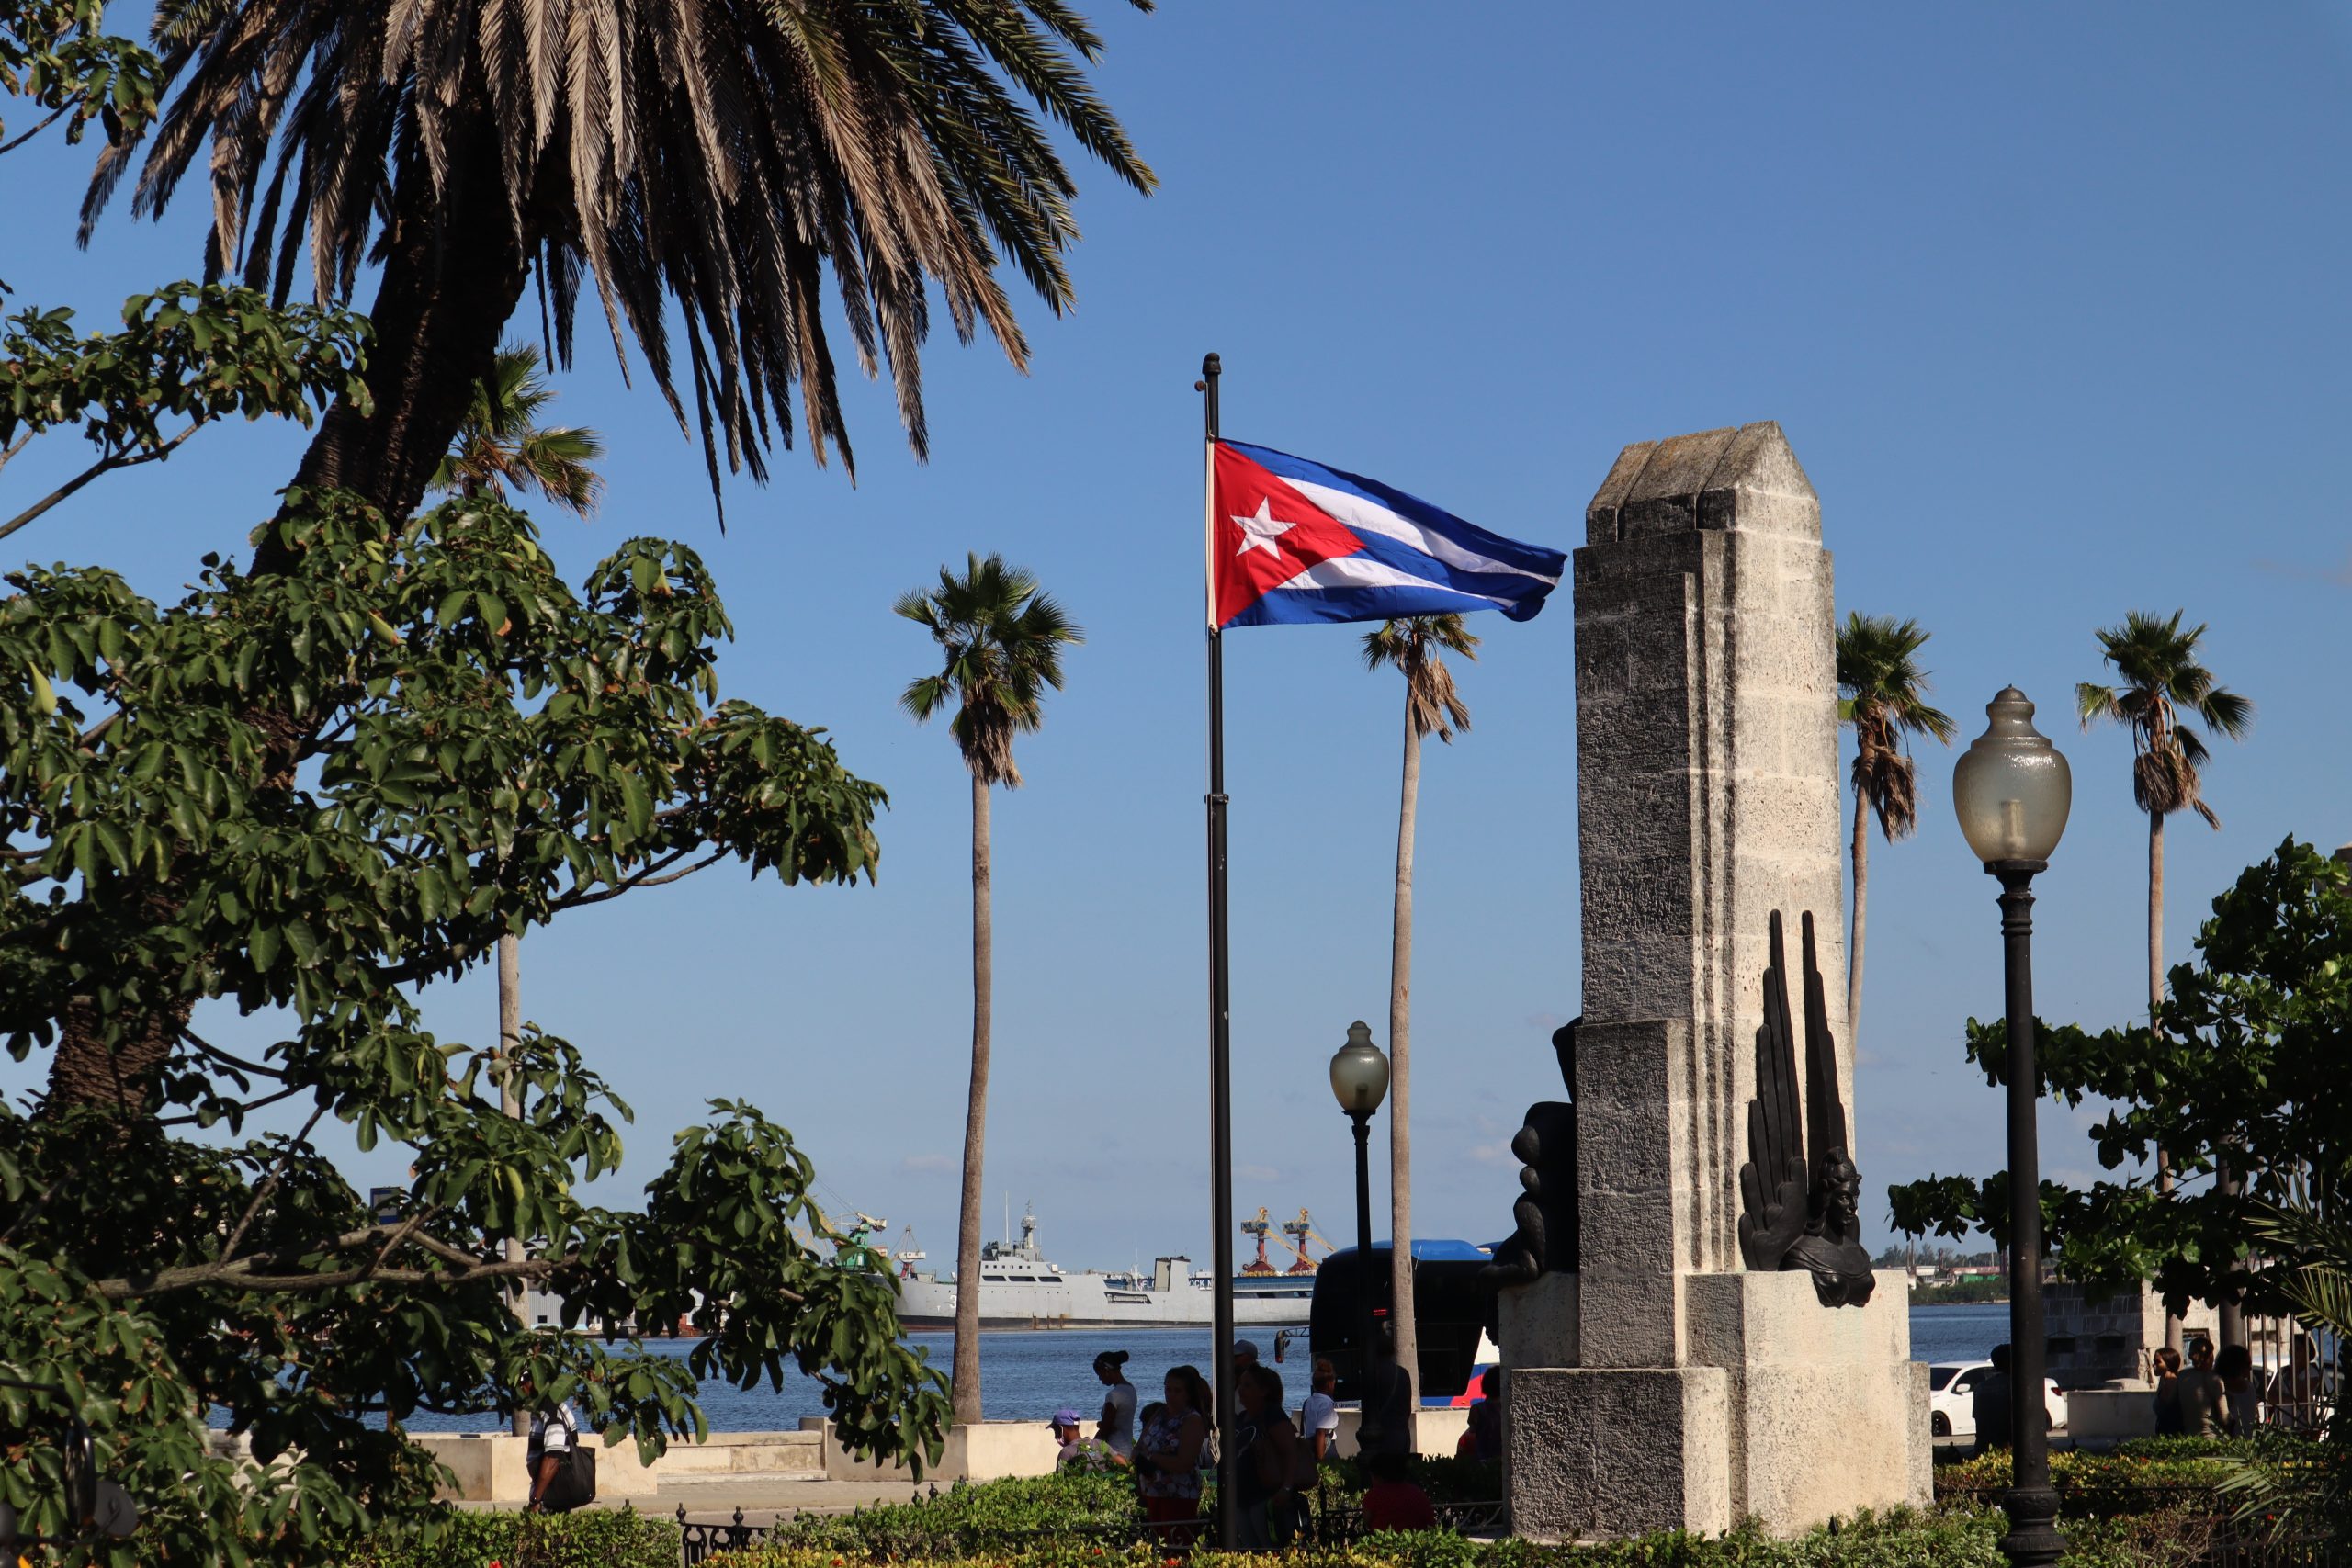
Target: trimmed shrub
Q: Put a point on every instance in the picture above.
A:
(1947, 1538)
(592, 1538)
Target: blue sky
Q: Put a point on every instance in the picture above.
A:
(2050, 302)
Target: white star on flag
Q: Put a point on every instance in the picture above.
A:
(1261, 531)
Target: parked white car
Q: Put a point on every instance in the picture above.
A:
(1951, 1398)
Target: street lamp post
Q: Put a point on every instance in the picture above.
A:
(2012, 791)
(1359, 1082)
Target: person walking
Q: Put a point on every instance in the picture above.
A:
(1995, 1405)
(1118, 1426)
(2167, 1367)
(552, 1458)
(1268, 1461)
(2202, 1398)
(2241, 1404)
(1386, 1424)
(1318, 1418)
(1167, 1458)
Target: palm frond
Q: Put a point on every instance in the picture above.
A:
(2163, 685)
(710, 158)
(1002, 639)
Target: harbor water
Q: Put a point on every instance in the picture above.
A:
(1027, 1376)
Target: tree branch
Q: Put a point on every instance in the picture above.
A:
(269, 1183)
(245, 1273)
(19, 444)
(63, 110)
(217, 1055)
(646, 878)
(288, 1092)
(103, 466)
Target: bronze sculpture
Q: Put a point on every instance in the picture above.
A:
(1545, 1238)
(1799, 1213)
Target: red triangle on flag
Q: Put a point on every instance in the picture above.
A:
(1262, 533)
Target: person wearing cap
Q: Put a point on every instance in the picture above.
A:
(1245, 1356)
(1077, 1452)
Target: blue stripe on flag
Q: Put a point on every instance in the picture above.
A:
(1300, 607)
(1534, 558)
(1520, 596)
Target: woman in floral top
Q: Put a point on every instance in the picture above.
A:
(1167, 1458)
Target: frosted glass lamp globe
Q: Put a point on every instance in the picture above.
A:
(2011, 788)
(1359, 1072)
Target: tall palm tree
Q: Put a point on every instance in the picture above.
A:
(1003, 639)
(501, 443)
(2163, 685)
(1883, 693)
(719, 154)
(1417, 646)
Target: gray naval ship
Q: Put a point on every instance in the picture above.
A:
(1019, 1288)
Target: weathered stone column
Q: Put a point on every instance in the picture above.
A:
(1707, 797)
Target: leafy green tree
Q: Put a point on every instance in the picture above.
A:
(54, 55)
(501, 444)
(489, 749)
(189, 355)
(716, 156)
(2242, 1070)
(1002, 638)
(2161, 678)
(1883, 693)
(1416, 646)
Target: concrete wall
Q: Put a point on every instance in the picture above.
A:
(1437, 1433)
(989, 1451)
(489, 1467)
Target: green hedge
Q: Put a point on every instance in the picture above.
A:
(1946, 1538)
(592, 1538)
(2143, 1462)
(1044, 1523)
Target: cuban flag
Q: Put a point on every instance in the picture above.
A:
(1293, 541)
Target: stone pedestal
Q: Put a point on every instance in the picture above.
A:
(1695, 1392)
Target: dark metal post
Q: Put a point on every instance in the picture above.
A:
(1368, 1324)
(1220, 1025)
(2032, 1505)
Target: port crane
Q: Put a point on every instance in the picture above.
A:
(1297, 1233)
(1258, 1229)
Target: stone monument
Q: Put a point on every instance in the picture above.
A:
(1719, 1349)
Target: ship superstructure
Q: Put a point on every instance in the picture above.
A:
(1020, 1288)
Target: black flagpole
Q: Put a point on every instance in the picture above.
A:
(1220, 1011)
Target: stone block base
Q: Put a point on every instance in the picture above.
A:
(1829, 1413)
(1617, 1451)
(1786, 1411)
(1535, 1324)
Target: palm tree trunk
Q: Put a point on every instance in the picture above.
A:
(1861, 907)
(964, 1390)
(438, 312)
(1400, 1083)
(510, 1035)
(2174, 1338)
